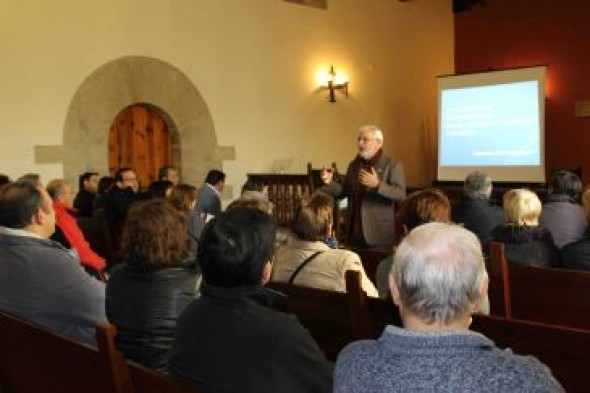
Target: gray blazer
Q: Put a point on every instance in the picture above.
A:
(377, 210)
(208, 201)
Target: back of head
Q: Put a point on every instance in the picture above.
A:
(235, 247)
(154, 235)
(424, 206)
(19, 201)
(34, 178)
(214, 176)
(521, 207)
(163, 172)
(4, 179)
(477, 185)
(252, 203)
(566, 183)
(55, 188)
(313, 218)
(159, 188)
(439, 270)
(252, 185)
(105, 184)
(182, 197)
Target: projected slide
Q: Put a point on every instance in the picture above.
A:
(495, 125)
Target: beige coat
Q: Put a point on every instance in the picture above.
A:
(326, 271)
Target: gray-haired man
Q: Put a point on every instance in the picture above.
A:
(438, 279)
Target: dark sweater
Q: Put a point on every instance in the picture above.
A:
(527, 245)
(231, 340)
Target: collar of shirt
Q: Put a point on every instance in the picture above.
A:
(18, 232)
(213, 188)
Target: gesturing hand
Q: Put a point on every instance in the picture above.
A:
(369, 178)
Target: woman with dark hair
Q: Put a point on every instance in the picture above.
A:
(183, 197)
(307, 257)
(105, 184)
(146, 295)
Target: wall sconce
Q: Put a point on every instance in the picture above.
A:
(335, 81)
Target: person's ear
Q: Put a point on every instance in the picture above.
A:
(394, 289)
(480, 305)
(266, 272)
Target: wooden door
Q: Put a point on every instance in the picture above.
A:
(139, 139)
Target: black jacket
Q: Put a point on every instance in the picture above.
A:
(144, 306)
(231, 340)
(527, 245)
(479, 216)
(84, 203)
(576, 255)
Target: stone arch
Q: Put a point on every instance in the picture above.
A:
(148, 81)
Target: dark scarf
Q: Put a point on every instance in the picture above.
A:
(356, 195)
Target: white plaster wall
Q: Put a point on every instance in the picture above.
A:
(253, 61)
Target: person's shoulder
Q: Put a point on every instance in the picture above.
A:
(518, 371)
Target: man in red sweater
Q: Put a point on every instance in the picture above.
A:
(68, 232)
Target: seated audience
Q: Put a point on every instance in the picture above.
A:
(39, 280)
(419, 208)
(576, 255)
(146, 294)
(183, 198)
(562, 214)
(231, 339)
(158, 189)
(105, 184)
(67, 231)
(119, 199)
(438, 279)
(4, 179)
(87, 189)
(254, 190)
(475, 211)
(169, 173)
(525, 241)
(307, 258)
(34, 178)
(209, 196)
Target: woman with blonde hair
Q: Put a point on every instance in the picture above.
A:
(307, 258)
(526, 242)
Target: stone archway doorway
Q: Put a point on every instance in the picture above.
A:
(139, 139)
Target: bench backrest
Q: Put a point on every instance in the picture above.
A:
(548, 295)
(36, 359)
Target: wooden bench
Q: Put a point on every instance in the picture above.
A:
(565, 351)
(35, 359)
(548, 295)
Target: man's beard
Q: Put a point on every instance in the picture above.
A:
(366, 155)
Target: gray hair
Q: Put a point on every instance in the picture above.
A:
(478, 185)
(377, 133)
(439, 270)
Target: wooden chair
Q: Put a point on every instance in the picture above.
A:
(548, 295)
(285, 192)
(36, 359)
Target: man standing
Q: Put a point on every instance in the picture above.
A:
(231, 339)
(68, 233)
(438, 279)
(39, 280)
(170, 174)
(87, 189)
(373, 182)
(209, 196)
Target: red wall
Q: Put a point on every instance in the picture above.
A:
(514, 33)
